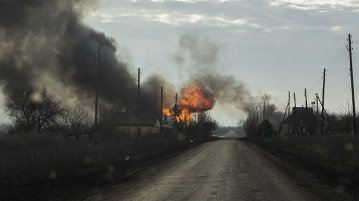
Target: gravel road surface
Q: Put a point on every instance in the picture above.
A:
(217, 170)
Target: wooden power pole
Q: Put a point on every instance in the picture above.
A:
(256, 119)
(323, 98)
(295, 114)
(288, 111)
(138, 103)
(161, 112)
(176, 104)
(306, 111)
(317, 105)
(264, 110)
(97, 85)
(281, 124)
(349, 47)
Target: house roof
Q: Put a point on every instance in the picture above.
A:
(130, 119)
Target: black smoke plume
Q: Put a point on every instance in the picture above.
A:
(44, 43)
(200, 55)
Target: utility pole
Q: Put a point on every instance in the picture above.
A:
(317, 103)
(161, 112)
(97, 84)
(349, 48)
(138, 88)
(295, 114)
(281, 124)
(264, 110)
(306, 111)
(256, 119)
(176, 101)
(138, 103)
(323, 95)
(264, 116)
(175, 109)
(288, 111)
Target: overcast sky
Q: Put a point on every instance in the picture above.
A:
(274, 46)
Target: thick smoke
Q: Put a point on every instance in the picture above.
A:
(197, 53)
(201, 55)
(225, 89)
(43, 43)
(271, 110)
(152, 95)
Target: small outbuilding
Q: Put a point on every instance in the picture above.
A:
(129, 125)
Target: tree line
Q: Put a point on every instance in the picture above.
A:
(37, 110)
(335, 123)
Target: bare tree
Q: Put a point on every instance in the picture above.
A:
(36, 109)
(47, 110)
(77, 121)
(20, 107)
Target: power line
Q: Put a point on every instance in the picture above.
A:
(339, 59)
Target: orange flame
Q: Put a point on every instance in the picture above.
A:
(194, 99)
(167, 112)
(184, 116)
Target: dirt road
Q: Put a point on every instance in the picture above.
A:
(218, 170)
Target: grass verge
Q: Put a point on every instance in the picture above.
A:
(331, 159)
(43, 167)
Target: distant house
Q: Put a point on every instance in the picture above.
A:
(126, 124)
(301, 121)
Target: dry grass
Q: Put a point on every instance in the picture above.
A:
(340, 149)
(42, 156)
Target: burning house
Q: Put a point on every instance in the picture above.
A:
(193, 99)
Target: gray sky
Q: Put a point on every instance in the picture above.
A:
(274, 46)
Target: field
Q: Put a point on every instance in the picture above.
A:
(333, 159)
(30, 160)
(339, 150)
